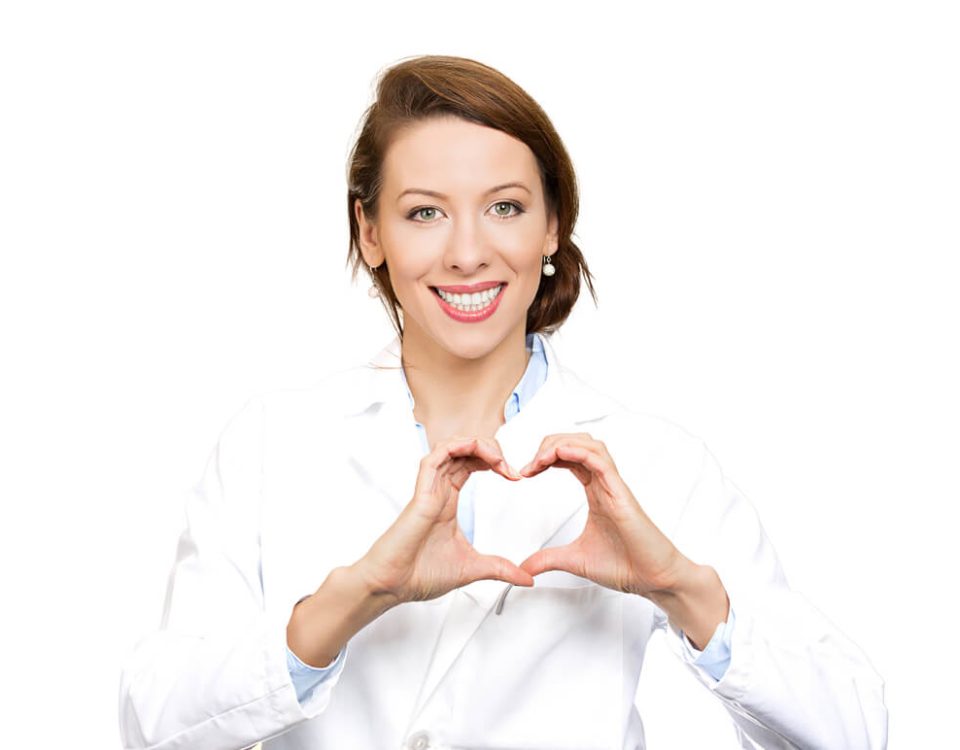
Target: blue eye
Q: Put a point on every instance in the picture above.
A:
(506, 209)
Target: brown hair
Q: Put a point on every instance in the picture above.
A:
(434, 85)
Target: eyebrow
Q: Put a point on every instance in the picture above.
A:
(435, 194)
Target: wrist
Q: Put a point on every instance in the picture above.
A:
(373, 599)
(378, 595)
(696, 602)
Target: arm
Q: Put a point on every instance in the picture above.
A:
(793, 679)
(215, 675)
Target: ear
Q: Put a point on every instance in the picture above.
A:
(553, 230)
(369, 238)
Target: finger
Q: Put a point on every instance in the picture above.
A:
(493, 567)
(445, 457)
(502, 466)
(583, 456)
(458, 470)
(547, 454)
(548, 442)
(601, 468)
(551, 558)
(436, 467)
(489, 450)
(537, 464)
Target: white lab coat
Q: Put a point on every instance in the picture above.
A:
(303, 481)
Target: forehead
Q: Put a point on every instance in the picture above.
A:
(448, 153)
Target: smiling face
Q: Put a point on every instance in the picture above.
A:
(461, 209)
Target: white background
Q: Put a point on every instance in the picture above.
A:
(770, 200)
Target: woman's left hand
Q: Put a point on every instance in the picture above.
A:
(621, 548)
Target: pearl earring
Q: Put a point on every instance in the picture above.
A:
(548, 267)
(373, 291)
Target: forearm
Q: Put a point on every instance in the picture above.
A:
(322, 623)
(696, 602)
(793, 680)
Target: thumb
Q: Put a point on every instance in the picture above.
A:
(550, 558)
(496, 568)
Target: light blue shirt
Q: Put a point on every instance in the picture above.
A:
(715, 657)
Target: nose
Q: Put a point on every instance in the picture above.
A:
(467, 250)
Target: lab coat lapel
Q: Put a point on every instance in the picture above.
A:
(383, 446)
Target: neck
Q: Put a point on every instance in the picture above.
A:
(462, 396)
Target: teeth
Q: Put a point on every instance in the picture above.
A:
(471, 302)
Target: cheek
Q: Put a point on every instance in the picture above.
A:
(410, 252)
(524, 246)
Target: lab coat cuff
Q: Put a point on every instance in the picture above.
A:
(736, 676)
(286, 700)
(307, 679)
(715, 657)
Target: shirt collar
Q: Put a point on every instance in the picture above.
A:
(376, 385)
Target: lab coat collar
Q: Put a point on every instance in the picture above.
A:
(381, 381)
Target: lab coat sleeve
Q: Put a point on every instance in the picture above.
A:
(794, 680)
(215, 675)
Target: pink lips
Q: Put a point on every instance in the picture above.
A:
(470, 317)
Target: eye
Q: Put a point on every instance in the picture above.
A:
(506, 209)
(424, 214)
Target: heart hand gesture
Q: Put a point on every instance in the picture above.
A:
(424, 554)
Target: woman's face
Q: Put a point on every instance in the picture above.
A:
(461, 206)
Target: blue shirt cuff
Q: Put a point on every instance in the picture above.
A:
(307, 679)
(715, 658)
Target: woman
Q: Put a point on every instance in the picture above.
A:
(396, 485)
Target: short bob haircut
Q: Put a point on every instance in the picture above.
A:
(438, 85)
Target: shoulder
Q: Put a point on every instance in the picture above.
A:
(335, 393)
(341, 391)
(314, 417)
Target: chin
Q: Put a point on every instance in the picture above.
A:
(480, 347)
(474, 344)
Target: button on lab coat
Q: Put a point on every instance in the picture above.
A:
(305, 480)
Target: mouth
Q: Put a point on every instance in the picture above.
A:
(470, 307)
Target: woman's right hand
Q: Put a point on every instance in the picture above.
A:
(424, 554)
